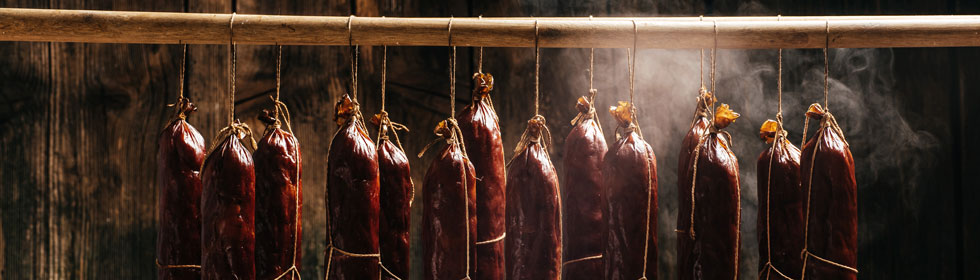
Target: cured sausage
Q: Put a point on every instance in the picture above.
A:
(228, 206)
(584, 229)
(533, 208)
(352, 198)
(481, 133)
(716, 205)
(397, 193)
(780, 225)
(449, 210)
(698, 126)
(278, 202)
(830, 214)
(630, 179)
(179, 156)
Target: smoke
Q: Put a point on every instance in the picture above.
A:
(861, 95)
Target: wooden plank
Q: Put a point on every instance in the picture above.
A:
(25, 95)
(104, 115)
(169, 28)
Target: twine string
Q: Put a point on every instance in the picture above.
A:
(233, 69)
(827, 120)
(479, 68)
(537, 69)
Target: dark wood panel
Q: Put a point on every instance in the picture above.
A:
(78, 124)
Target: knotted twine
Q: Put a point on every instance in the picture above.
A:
(582, 117)
(634, 125)
(827, 120)
(280, 111)
(713, 129)
(358, 120)
(182, 106)
(537, 131)
(384, 123)
(768, 267)
(449, 131)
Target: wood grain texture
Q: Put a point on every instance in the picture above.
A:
(201, 28)
(77, 124)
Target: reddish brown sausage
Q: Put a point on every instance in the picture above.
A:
(690, 143)
(278, 203)
(716, 206)
(448, 196)
(584, 229)
(630, 178)
(179, 157)
(352, 199)
(228, 207)
(780, 221)
(481, 133)
(533, 209)
(397, 193)
(827, 169)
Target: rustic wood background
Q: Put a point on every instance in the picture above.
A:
(79, 123)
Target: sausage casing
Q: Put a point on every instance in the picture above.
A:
(179, 156)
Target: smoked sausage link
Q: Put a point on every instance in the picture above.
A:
(179, 157)
(481, 132)
(715, 233)
(352, 199)
(780, 221)
(448, 195)
(278, 203)
(630, 179)
(827, 169)
(228, 208)
(582, 197)
(684, 164)
(397, 193)
(533, 209)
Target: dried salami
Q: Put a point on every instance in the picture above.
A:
(449, 210)
(582, 195)
(481, 132)
(228, 206)
(353, 208)
(830, 212)
(715, 205)
(396, 195)
(278, 202)
(533, 208)
(180, 154)
(780, 220)
(630, 179)
(698, 127)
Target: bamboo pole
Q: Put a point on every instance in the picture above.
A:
(653, 32)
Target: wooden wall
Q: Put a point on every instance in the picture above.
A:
(79, 123)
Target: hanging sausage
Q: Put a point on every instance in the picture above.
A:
(228, 201)
(180, 154)
(396, 191)
(698, 127)
(352, 198)
(353, 188)
(780, 220)
(481, 132)
(630, 178)
(584, 228)
(533, 241)
(279, 195)
(715, 213)
(449, 200)
(830, 214)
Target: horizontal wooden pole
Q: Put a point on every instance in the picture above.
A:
(650, 32)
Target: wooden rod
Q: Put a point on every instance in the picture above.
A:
(653, 32)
